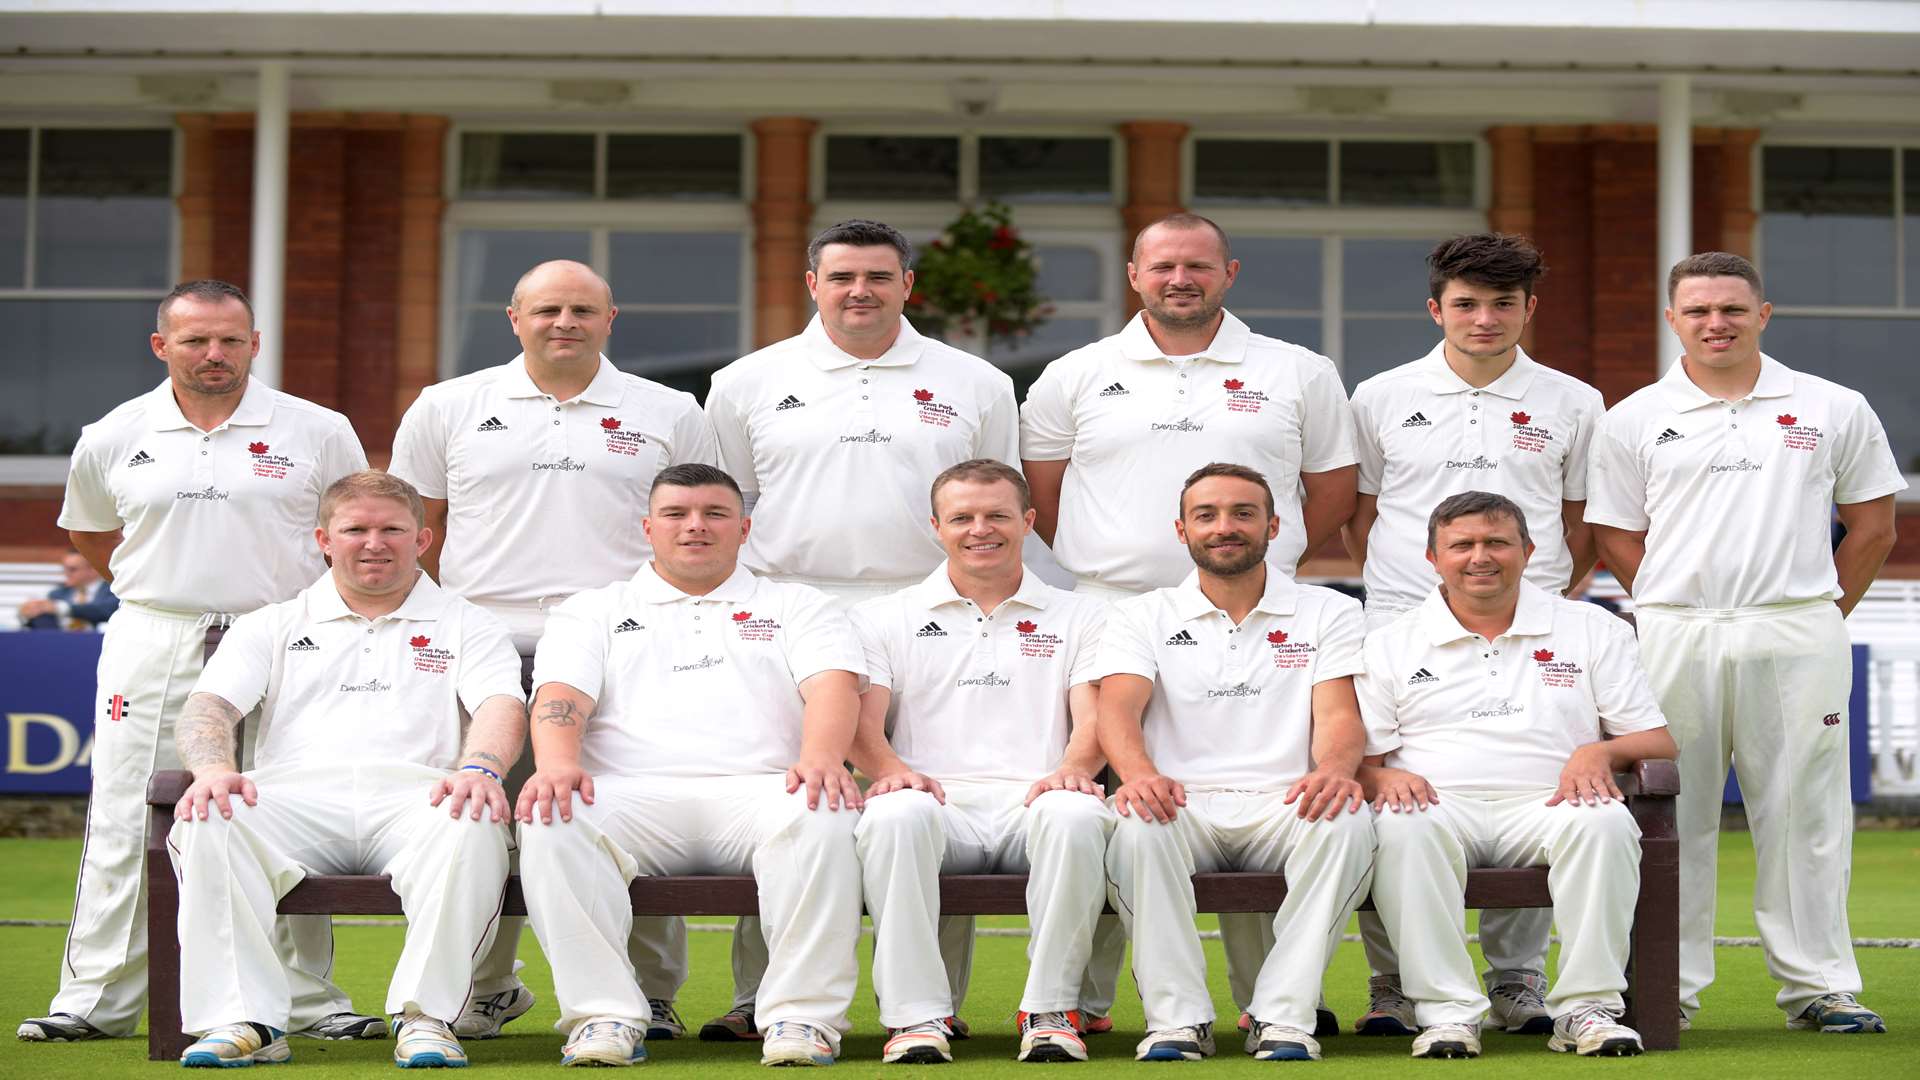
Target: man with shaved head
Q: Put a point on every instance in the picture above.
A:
(535, 475)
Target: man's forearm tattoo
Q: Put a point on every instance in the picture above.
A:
(560, 713)
(204, 732)
(484, 756)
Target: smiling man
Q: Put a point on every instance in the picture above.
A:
(363, 682)
(1711, 498)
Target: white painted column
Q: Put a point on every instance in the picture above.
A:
(268, 287)
(1676, 199)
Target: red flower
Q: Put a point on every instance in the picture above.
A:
(1545, 656)
(923, 395)
(1003, 239)
(1278, 637)
(1025, 626)
(257, 448)
(420, 641)
(1787, 419)
(1522, 418)
(742, 616)
(1234, 384)
(610, 423)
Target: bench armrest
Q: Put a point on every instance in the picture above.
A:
(1654, 777)
(168, 785)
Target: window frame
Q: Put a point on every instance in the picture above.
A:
(1482, 168)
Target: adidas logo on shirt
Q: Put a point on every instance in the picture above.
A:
(932, 629)
(1423, 676)
(1416, 420)
(491, 423)
(789, 402)
(139, 457)
(1668, 436)
(1116, 390)
(626, 625)
(305, 644)
(1182, 638)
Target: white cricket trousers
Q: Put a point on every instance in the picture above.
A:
(151, 659)
(1592, 855)
(575, 876)
(1514, 940)
(332, 819)
(1768, 685)
(1150, 865)
(907, 839)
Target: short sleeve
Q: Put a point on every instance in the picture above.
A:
(1864, 466)
(1092, 619)
(1587, 411)
(1000, 423)
(340, 454)
(1616, 484)
(420, 449)
(573, 647)
(867, 619)
(1047, 426)
(1342, 629)
(1621, 693)
(239, 669)
(1379, 710)
(819, 637)
(732, 437)
(1326, 422)
(693, 439)
(1126, 642)
(1366, 441)
(489, 666)
(89, 505)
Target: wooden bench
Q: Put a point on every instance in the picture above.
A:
(1654, 973)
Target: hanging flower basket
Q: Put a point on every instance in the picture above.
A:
(977, 281)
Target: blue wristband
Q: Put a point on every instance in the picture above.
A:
(491, 775)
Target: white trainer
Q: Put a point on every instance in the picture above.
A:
(604, 1040)
(795, 1042)
(1592, 1030)
(1278, 1042)
(1176, 1044)
(237, 1045)
(924, 1043)
(1388, 1010)
(1050, 1036)
(1517, 1002)
(484, 1017)
(426, 1042)
(1447, 1041)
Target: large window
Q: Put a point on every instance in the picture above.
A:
(660, 215)
(86, 252)
(1840, 252)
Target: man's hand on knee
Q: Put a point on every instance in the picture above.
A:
(1152, 798)
(471, 791)
(551, 789)
(908, 780)
(215, 789)
(829, 780)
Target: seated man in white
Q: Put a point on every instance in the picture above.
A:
(701, 715)
(979, 730)
(1496, 717)
(358, 769)
(1227, 709)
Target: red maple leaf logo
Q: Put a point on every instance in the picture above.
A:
(1025, 626)
(420, 641)
(1522, 418)
(257, 448)
(1787, 419)
(742, 616)
(1545, 656)
(610, 423)
(923, 395)
(1234, 384)
(1278, 637)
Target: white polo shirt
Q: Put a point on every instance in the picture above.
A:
(841, 451)
(1736, 497)
(335, 687)
(1424, 434)
(980, 695)
(694, 685)
(219, 520)
(544, 497)
(1468, 713)
(1232, 706)
(1136, 424)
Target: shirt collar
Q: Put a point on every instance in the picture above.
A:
(654, 589)
(255, 408)
(1280, 598)
(1776, 380)
(827, 356)
(1229, 344)
(1532, 616)
(603, 390)
(936, 589)
(1512, 383)
(424, 602)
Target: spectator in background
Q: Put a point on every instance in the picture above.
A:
(80, 602)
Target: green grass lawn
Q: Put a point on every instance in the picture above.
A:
(1739, 1036)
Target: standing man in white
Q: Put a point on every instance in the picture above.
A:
(1711, 497)
(1227, 710)
(700, 714)
(1475, 758)
(555, 434)
(1109, 428)
(1475, 413)
(980, 731)
(361, 769)
(195, 501)
(854, 412)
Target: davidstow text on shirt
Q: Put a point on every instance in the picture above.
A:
(565, 464)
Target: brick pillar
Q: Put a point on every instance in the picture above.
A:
(1512, 207)
(1737, 216)
(1625, 182)
(316, 259)
(782, 215)
(416, 347)
(196, 195)
(1153, 179)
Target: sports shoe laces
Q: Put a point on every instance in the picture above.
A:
(1387, 996)
(1587, 1016)
(789, 1029)
(926, 1027)
(1518, 992)
(601, 1029)
(1060, 1020)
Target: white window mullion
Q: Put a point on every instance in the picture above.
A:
(1332, 333)
(30, 274)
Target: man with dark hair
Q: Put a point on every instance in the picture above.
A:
(1475, 412)
(210, 461)
(80, 602)
(1227, 711)
(1712, 491)
(1479, 759)
(701, 713)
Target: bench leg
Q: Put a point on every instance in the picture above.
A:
(165, 1042)
(1654, 1010)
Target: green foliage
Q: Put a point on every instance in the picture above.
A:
(978, 278)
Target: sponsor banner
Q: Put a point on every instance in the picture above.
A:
(49, 706)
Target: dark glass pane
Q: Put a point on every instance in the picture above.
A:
(1046, 170)
(1245, 170)
(492, 260)
(1385, 275)
(1371, 346)
(1850, 181)
(679, 348)
(1873, 356)
(673, 166)
(486, 340)
(1406, 173)
(1827, 230)
(1068, 272)
(104, 209)
(1912, 163)
(1276, 273)
(1304, 332)
(892, 167)
(13, 206)
(674, 268)
(68, 363)
(1024, 358)
(495, 165)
